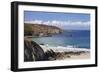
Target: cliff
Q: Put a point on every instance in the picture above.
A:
(41, 30)
(33, 52)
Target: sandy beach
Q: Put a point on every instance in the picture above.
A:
(69, 53)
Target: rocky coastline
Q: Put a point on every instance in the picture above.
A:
(41, 30)
(35, 52)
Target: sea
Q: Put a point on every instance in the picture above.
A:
(68, 38)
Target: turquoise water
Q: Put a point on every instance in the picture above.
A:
(74, 38)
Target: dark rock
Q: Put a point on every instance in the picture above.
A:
(32, 51)
(68, 56)
(50, 55)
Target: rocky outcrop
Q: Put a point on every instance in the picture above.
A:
(41, 30)
(33, 52)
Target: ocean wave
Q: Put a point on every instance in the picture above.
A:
(62, 49)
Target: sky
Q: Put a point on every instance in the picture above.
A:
(68, 21)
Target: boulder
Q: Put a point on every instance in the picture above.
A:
(32, 51)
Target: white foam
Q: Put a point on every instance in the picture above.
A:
(64, 49)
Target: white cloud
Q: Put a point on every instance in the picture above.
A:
(62, 24)
(35, 21)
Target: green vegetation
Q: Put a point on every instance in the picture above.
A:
(27, 30)
(40, 30)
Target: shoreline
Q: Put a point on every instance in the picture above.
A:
(65, 53)
(62, 49)
(62, 53)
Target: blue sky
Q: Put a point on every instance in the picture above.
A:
(75, 21)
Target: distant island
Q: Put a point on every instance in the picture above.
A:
(40, 30)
